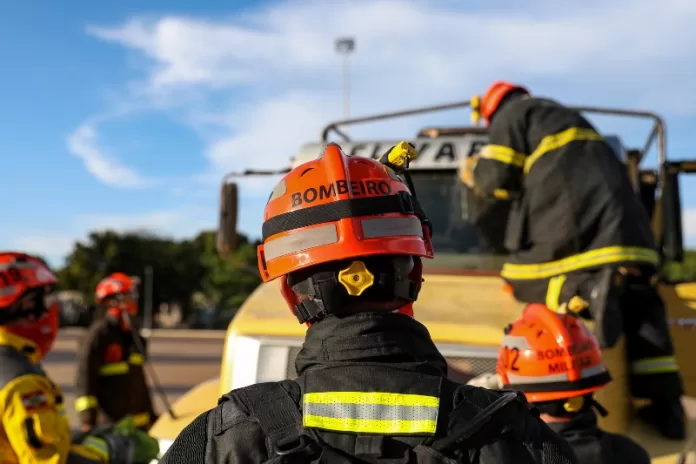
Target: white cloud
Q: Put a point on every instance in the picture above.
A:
(689, 226)
(83, 144)
(282, 76)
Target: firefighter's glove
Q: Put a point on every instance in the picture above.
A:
(487, 380)
(399, 156)
(128, 444)
(466, 170)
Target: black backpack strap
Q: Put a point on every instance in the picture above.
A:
(471, 436)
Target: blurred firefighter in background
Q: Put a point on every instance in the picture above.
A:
(578, 234)
(111, 380)
(34, 426)
(556, 362)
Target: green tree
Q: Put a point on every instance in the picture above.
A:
(684, 271)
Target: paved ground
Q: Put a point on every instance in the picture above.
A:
(180, 362)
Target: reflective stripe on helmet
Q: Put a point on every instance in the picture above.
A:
(327, 234)
(301, 240)
(371, 412)
(563, 377)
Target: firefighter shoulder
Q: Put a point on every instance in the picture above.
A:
(34, 426)
(557, 363)
(345, 237)
(111, 382)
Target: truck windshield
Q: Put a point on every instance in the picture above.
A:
(459, 245)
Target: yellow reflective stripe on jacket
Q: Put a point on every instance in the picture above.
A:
(371, 412)
(85, 402)
(98, 446)
(556, 141)
(593, 258)
(142, 419)
(117, 368)
(136, 359)
(553, 291)
(503, 154)
(658, 365)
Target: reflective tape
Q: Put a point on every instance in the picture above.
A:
(391, 227)
(515, 341)
(371, 412)
(142, 419)
(327, 234)
(562, 377)
(503, 154)
(657, 365)
(553, 292)
(98, 445)
(114, 368)
(85, 402)
(593, 258)
(558, 140)
(136, 359)
(300, 240)
(278, 191)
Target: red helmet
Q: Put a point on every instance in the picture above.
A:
(29, 307)
(119, 286)
(339, 208)
(550, 356)
(489, 103)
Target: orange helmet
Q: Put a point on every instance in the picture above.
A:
(550, 356)
(28, 305)
(487, 105)
(340, 208)
(118, 285)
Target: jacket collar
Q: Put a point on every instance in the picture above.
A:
(584, 423)
(376, 337)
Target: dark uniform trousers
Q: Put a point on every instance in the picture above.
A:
(370, 385)
(111, 381)
(595, 446)
(573, 214)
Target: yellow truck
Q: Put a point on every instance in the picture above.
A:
(463, 302)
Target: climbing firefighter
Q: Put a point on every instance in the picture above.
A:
(578, 234)
(34, 425)
(557, 363)
(345, 236)
(111, 381)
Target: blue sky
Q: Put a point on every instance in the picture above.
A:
(126, 114)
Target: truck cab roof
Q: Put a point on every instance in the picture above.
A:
(435, 153)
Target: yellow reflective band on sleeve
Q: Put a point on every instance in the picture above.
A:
(85, 402)
(136, 359)
(503, 154)
(555, 141)
(142, 419)
(114, 368)
(98, 446)
(371, 412)
(658, 365)
(501, 194)
(553, 292)
(589, 259)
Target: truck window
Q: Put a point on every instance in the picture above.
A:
(459, 244)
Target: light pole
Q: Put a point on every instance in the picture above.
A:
(345, 46)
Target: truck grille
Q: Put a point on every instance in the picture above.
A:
(461, 368)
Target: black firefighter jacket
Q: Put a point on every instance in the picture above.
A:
(352, 370)
(111, 381)
(595, 446)
(573, 206)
